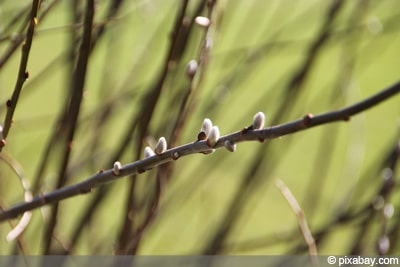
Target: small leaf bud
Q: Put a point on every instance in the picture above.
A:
(148, 152)
(175, 155)
(231, 146)
(203, 22)
(258, 121)
(161, 146)
(117, 167)
(3, 142)
(201, 136)
(213, 136)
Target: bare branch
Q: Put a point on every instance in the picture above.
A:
(199, 146)
(23, 74)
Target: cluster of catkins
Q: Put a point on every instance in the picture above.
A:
(208, 132)
(211, 134)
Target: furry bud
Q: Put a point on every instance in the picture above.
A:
(203, 22)
(117, 167)
(148, 152)
(161, 146)
(231, 146)
(206, 127)
(258, 121)
(213, 136)
(191, 68)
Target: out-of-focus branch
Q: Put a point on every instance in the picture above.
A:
(72, 111)
(140, 166)
(305, 229)
(23, 74)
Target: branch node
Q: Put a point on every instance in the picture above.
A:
(175, 156)
(245, 130)
(85, 190)
(201, 136)
(230, 146)
(3, 142)
(307, 119)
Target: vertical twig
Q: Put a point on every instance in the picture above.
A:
(23, 74)
(305, 230)
(144, 117)
(72, 112)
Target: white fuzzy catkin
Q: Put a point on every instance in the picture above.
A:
(117, 167)
(148, 152)
(161, 146)
(206, 127)
(203, 22)
(258, 121)
(231, 146)
(213, 136)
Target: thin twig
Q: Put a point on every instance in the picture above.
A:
(22, 72)
(72, 112)
(305, 230)
(137, 167)
(145, 115)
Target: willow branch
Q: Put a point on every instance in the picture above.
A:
(22, 72)
(247, 134)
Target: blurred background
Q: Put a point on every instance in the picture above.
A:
(284, 58)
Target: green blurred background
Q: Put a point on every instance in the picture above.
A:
(266, 56)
